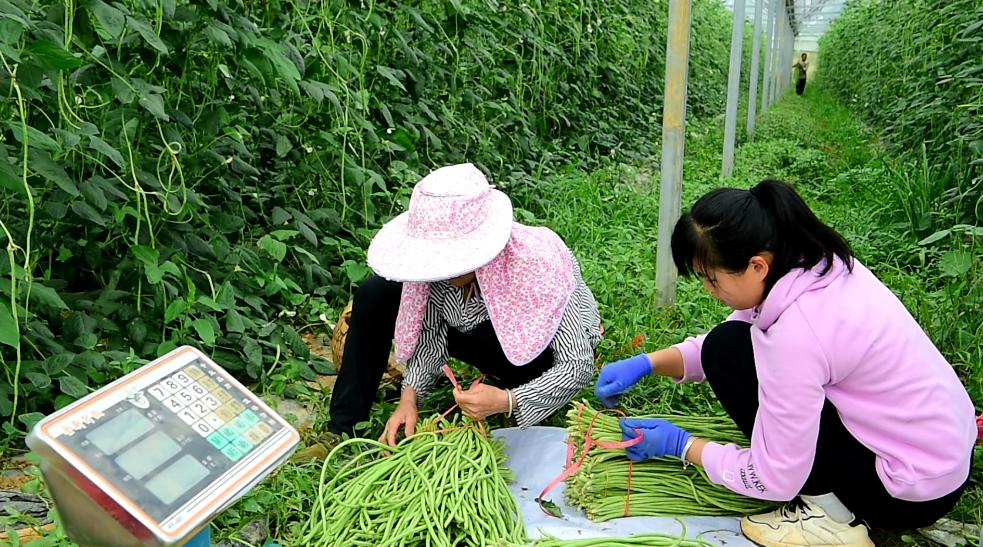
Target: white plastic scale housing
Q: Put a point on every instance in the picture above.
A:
(151, 458)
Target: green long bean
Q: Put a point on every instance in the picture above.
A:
(659, 486)
(441, 487)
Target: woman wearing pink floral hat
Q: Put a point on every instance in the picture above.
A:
(457, 277)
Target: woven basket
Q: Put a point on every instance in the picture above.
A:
(394, 371)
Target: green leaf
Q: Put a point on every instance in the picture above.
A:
(154, 104)
(53, 55)
(148, 34)
(234, 323)
(111, 21)
(57, 363)
(550, 507)
(104, 148)
(31, 418)
(253, 352)
(283, 146)
(285, 68)
(174, 309)
(87, 340)
(94, 195)
(8, 328)
(941, 234)
(86, 211)
(38, 380)
(205, 331)
(10, 31)
(11, 180)
(47, 296)
(42, 164)
(956, 262)
(72, 386)
(35, 138)
(277, 249)
(145, 254)
(390, 75)
(218, 36)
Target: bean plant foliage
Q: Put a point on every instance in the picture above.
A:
(210, 173)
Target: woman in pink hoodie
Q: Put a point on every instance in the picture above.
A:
(852, 412)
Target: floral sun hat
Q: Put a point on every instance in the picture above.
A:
(456, 223)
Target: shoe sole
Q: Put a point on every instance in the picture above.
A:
(868, 543)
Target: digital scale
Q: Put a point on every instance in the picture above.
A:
(151, 458)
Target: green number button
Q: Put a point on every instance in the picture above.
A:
(217, 439)
(243, 445)
(232, 452)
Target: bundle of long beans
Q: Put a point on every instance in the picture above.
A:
(447, 485)
(658, 486)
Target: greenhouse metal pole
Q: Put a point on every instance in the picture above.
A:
(673, 143)
(769, 54)
(779, 39)
(733, 88)
(752, 100)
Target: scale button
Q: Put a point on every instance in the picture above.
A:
(193, 371)
(226, 413)
(232, 452)
(239, 425)
(208, 383)
(170, 385)
(187, 416)
(211, 402)
(264, 428)
(196, 388)
(158, 392)
(182, 378)
(229, 433)
(250, 417)
(187, 396)
(203, 428)
(243, 445)
(198, 408)
(221, 394)
(214, 421)
(217, 439)
(174, 404)
(237, 406)
(256, 434)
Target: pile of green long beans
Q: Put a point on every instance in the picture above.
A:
(659, 486)
(439, 487)
(636, 540)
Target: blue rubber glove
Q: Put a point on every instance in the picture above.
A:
(659, 438)
(619, 376)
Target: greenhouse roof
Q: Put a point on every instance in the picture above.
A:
(810, 18)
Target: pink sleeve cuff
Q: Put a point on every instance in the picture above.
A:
(692, 364)
(713, 455)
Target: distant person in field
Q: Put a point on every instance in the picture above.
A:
(801, 68)
(457, 277)
(852, 412)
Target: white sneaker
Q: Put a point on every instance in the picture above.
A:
(799, 524)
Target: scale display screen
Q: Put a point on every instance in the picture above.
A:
(172, 443)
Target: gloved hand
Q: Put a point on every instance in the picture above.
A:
(618, 377)
(659, 438)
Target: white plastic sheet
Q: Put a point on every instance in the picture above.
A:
(536, 455)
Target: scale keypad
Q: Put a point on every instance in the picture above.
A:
(211, 411)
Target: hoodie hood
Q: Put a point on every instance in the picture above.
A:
(791, 286)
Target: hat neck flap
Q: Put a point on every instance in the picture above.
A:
(525, 289)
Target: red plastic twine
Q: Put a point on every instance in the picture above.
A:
(979, 430)
(450, 376)
(589, 443)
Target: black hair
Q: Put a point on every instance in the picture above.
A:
(728, 226)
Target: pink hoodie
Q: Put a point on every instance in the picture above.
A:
(847, 338)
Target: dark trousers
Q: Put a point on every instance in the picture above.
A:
(800, 86)
(843, 465)
(370, 336)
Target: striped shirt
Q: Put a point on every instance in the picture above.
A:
(573, 348)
